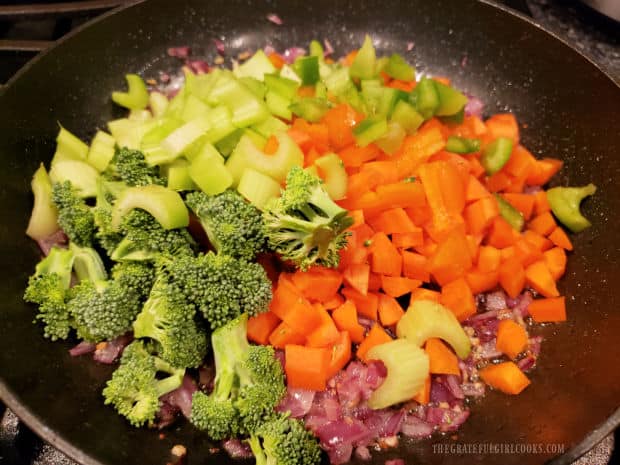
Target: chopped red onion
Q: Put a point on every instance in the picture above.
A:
(340, 454)
(410, 46)
(523, 302)
(198, 66)
(275, 19)
(527, 363)
(112, 349)
(531, 189)
(473, 389)
(219, 46)
(291, 54)
(482, 317)
(415, 427)
(474, 106)
(182, 396)
(206, 376)
(297, 401)
(453, 420)
(365, 322)
(179, 52)
(56, 239)
(395, 462)
(82, 348)
(328, 50)
(488, 350)
(164, 77)
(453, 384)
(362, 453)
(268, 49)
(237, 449)
(166, 415)
(496, 300)
(535, 343)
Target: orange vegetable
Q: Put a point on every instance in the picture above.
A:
(543, 224)
(522, 202)
(283, 334)
(326, 333)
(345, 318)
(489, 258)
(422, 293)
(348, 60)
(340, 354)
(385, 258)
(451, 259)
(302, 139)
(306, 367)
(374, 282)
(458, 297)
(285, 296)
(340, 121)
(366, 305)
(277, 60)
(397, 286)
(501, 234)
(481, 282)
(418, 148)
(480, 214)
(498, 182)
(401, 194)
(261, 326)
(525, 252)
(409, 239)
(441, 359)
(541, 204)
(539, 242)
(357, 276)
(415, 266)
(375, 337)
(354, 156)
(548, 310)
(333, 303)
(424, 396)
(561, 239)
(271, 146)
(394, 220)
(358, 218)
(475, 190)
(555, 259)
(506, 377)
(382, 172)
(390, 311)
(512, 277)
(503, 125)
(538, 276)
(406, 86)
(543, 170)
(520, 163)
(420, 215)
(318, 283)
(511, 338)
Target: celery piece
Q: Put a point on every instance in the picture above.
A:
(158, 103)
(209, 173)
(398, 68)
(462, 145)
(199, 85)
(456, 118)
(426, 97)
(180, 139)
(371, 92)
(310, 108)
(256, 66)
(354, 98)
(277, 166)
(69, 147)
(82, 175)
(228, 143)
(388, 100)
(270, 126)
(380, 64)
(451, 101)
(335, 176)
(407, 369)
(220, 121)
(285, 87)
(391, 141)
(308, 70)
(140, 116)
(278, 105)
(255, 86)
(128, 133)
(164, 204)
(426, 319)
(338, 82)
(177, 175)
(245, 107)
(257, 138)
(512, 216)
(316, 49)
(194, 108)
(369, 130)
(199, 150)
(565, 205)
(44, 216)
(101, 150)
(176, 104)
(288, 73)
(320, 90)
(407, 116)
(161, 129)
(363, 66)
(136, 97)
(496, 154)
(257, 188)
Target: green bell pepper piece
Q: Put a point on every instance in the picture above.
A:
(451, 101)
(392, 139)
(462, 145)
(426, 97)
(398, 68)
(285, 87)
(565, 202)
(496, 155)
(369, 130)
(308, 70)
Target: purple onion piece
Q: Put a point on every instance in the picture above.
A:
(166, 415)
(179, 52)
(268, 49)
(291, 54)
(395, 462)
(113, 349)
(496, 301)
(275, 19)
(410, 46)
(56, 239)
(181, 398)
(219, 46)
(341, 454)
(523, 302)
(415, 427)
(328, 49)
(237, 449)
(474, 107)
(297, 401)
(453, 383)
(82, 348)
(198, 66)
(473, 389)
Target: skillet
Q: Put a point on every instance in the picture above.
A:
(569, 109)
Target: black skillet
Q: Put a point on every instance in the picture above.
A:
(568, 108)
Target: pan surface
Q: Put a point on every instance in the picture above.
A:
(569, 110)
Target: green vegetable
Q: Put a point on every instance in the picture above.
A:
(246, 108)
(407, 116)
(269, 127)
(101, 150)
(462, 145)
(182, 138)
(363, 66)
(164, 204)
(512, 216)
(136, 97)
(287, 88)
(369, 130)
(391, 141)
(426, 97)
(158, 103)
(407, 368)
(425, 319)
(310, 108)
(496, 155)
(69, 147)
(278, 105)
(44, 217)
(305, 225)
(74, 216)
(398, 68)
(135, 387)
(177, 176)
(451, 101)
(87, 263)
(307, 68)
(335, 175)
(82, 176)
(208, 171)
(257, 188)
(256, 66)
(130, 167)
(565, 202)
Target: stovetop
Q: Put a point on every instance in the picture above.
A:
(27, 27)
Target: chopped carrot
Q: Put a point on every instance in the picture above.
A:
(422, 293)
(390, 311)
(415, 266)
(318, 283)
(408, 239)
(357, 276)
(354, 156)
(375, 337)
(489, 258)
(555, 259)
(505, 376)
(366, 305)
(560, 238)
(475, 190)
(374, 282)
(283, 334)
(512, 277)
(401, 194)
(451, 259)
(424, 396)
(345, 318)
(306, 367)
(480, 214)
(540, 242)
(548, 310)
(481, 282)
(276, 59)
(271, 146)
(340, 354)
(520, 163)
(498, 182)
(326, 333)
(501, 234)
(333, 303)
(385, 258)
(405, 86)
(511, 338)
(458, 297)
(394, 220)
(526, 252)
(397, 286)
(285, 297)
(522, 202)
(418, 148)
(340, 121)
(348, 60)
(541, 204)
(358, 218)
(538, 276)
(306, 91)
(543, 224)
(261, 326)
(441, 359)
(543, 170)
(503, 125)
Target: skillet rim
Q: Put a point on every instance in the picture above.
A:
(38, 426)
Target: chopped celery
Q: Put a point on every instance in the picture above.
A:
(177, 175)
(372, 91)
(82, 175)
(462, 145)
(288, 73)
(392, 139)
(398, 68)
(164, 204)
(308, 70)
(181, 138)
(257, 66)
(565, 202)
(204, 148)
(128, 133)
(512, 216)
(200, 85)
(257, 138)
(310, 108)
(220, 122)
(277, 166)
(407, 116)
(369, 130)
(257, 188)
(209, 173)
(316, 49)
(407, 369)
(278, 105)
(388, 99)
(69, 147)
(44, 216)
(87, 263)
(158, 103)
(270, 126)
(496, 155)
(151, 140)
(101, 150)
(426, 97)
(176, 104)
(285, 87)
(245, 107)
(136, 97)
(456, 118)
(335, 176)
(194, 108)
(320, 90)
(228, 143)
(255, 86)
(338, 81)
(451, 101)
(141, 116)
(380, 64)
(363, 66)
(425, 319)
(354, 98)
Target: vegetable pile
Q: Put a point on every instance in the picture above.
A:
(350, 252)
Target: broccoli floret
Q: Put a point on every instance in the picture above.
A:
(220, 286)
(130, 167)
(106, 236)
(304, 225)
(145, 239)
(234, 226)
(48, 287)
(135, 387)
(284, 441)
(169, 319)
(74, 216)
(249, 383)
(135, 276)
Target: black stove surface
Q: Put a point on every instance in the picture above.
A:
(23, 34)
